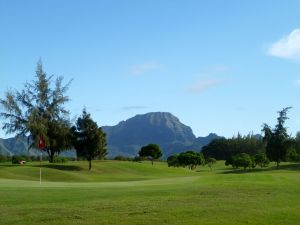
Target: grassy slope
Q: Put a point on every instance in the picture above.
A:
(137, 193)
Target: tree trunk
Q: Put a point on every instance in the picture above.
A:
(90, 164)
(277, 164)
(51, 156)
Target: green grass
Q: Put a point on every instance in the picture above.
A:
(133, 193)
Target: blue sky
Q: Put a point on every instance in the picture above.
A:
(219, 66)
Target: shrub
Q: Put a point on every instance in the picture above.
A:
(292, 155)
(3, 158)
(58, 159)
(121, 158)
(210, 161)
(173, 161)
(240, 160)
(261, 159)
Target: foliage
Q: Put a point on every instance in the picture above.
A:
(240, 160)
(292, 155)
(188, 159)
(224, 149)
(210, 161)
(3, 158)
(121, 158)
(58, 159)
(88, 139)
(152, 151)
(261, 159)
(277, 140)
(39, 109)
(172, 160)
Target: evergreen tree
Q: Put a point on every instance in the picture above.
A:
(277, 140)
(88, 139)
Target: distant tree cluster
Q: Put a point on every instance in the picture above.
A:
(223, 149)
(249, 151)
(188, 159)
(244, 160)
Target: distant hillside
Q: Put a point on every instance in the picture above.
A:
(127, 137)
(19, 146)
(161, 128)
(13, 146)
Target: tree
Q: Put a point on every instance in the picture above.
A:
(261, 159)
(292, 155)
(242, 160)
(277, 140)
(210, 161)
(39, 109)
(152, 151)
(173, 161)
(191, 159)
(88, 139)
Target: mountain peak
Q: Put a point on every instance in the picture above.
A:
(162, 128)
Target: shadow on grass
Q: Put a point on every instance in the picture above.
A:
(61, 167)
(291, 167)
(10, 165)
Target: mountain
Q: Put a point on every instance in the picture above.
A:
(13, 146)
(19, 146)
(127, 137)
(161, 128)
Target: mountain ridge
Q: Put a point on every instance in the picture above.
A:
(162, 128)
(128, 136)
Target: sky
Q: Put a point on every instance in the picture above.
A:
(219, 66)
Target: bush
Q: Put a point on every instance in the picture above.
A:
(292, 155)
(240, 160)
(34, 158)
(121, 158)
(58, 159)
(188, 159)
(138, 159)
(3, 158)
(261, 160)
(210, 161)
(173, 161)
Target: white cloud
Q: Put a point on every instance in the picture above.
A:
(204, 85)
(287, 47)
(140, 69)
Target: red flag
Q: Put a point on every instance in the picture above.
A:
(42, 142)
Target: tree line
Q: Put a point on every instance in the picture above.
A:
(275, 145)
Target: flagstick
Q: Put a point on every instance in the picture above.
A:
(41, 167)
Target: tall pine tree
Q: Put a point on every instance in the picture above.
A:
(88, 139)
(277, 140)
